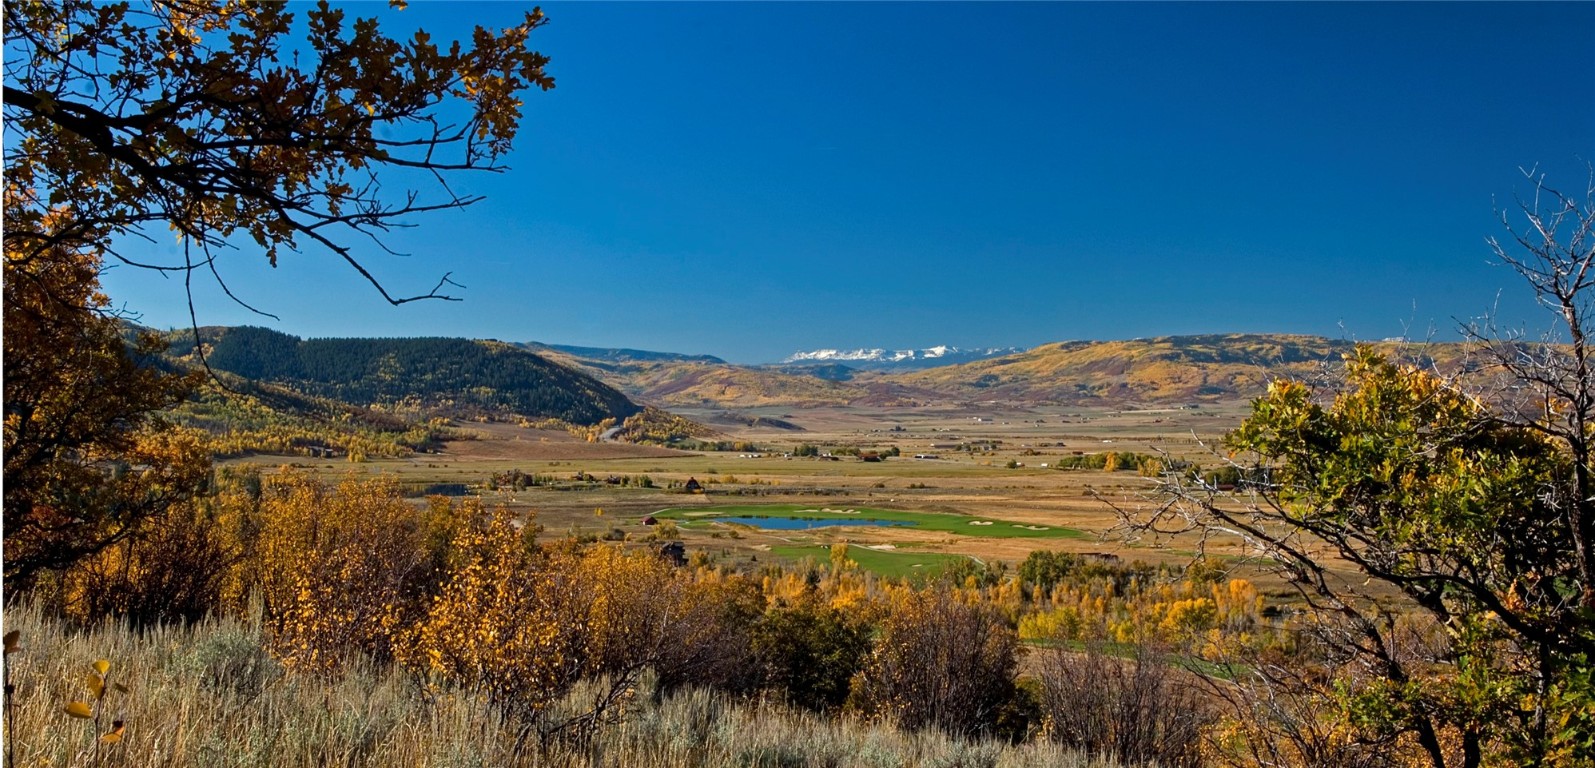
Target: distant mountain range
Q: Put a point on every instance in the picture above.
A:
(618, 355)
(584, 385)
(897, 359)
(1156, 371)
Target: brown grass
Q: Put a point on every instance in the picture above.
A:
(209, 695)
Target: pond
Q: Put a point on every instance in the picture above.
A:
(802, 517)
(805, 523)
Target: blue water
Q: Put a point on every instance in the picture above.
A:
(803, 524)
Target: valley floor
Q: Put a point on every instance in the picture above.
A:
(994, 462)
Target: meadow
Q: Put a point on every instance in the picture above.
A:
(890, 563)
(1033, 506)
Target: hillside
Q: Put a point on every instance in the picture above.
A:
(1162, 370)
(244, 417)
(584, 385)
(697, 384)
(1166, 369)
(665, 379)
(446, 376)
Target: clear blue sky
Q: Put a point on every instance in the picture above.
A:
(747, 180)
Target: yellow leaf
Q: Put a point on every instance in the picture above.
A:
(96, 685)
(102, 666)
(12, 639)
(79, 709)
(115, 734)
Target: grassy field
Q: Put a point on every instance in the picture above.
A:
(963, 525)
(890, 563)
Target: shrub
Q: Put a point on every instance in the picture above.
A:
(231, 658)
(708, 640)
(1137, 710)
(333, 567)
(810, 652)
(523, 626)
(938, 662)
(492, 628)
(173, 569)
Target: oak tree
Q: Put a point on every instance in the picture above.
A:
(938, 662)
(228, 124)
(85, 460)
(208, 118)
(1439, 524)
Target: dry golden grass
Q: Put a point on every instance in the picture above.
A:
(209, 695)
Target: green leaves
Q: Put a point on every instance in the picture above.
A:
(1422, 487)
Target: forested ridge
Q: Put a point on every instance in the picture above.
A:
(455, 375)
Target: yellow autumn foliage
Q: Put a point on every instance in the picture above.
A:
(332, 566)
(523, 624)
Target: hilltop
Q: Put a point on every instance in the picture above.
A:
(673, 380)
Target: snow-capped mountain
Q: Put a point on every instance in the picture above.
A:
(929, 357)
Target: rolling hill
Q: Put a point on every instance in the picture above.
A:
(726, 385)
(1159, 370)
(665, 379)
(615, 356)
(1162, 370)
(385, 392)
(458, 377)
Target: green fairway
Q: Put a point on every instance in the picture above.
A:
(847, 515)
(889, 563)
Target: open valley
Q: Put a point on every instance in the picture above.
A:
(798, 385)
(990, 462)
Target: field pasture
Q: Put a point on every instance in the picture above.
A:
(991, 464)
(885, 559)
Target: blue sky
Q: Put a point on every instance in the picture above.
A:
(748, 180)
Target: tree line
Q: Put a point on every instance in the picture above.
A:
(461, 375)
